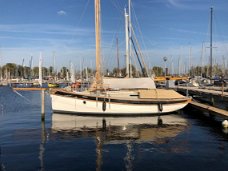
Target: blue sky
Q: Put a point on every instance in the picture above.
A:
(66, 28)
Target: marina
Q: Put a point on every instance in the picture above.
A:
(133, 142)
(116, 85)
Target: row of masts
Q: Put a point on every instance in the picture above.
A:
(128, 34)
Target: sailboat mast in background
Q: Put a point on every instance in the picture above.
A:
(210, 70)
(40, 70)
(127, 42)
(118, 57)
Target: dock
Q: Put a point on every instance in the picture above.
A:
(200, 91)
(30, 89)
(212, 110)
(209, 99)
(168, 77)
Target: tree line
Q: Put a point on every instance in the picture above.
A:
(12, 71)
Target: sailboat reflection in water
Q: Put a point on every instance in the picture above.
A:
(120, 129)
(127, 131)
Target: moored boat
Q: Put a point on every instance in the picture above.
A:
(117, 96)
(53, 85)
(116, 100)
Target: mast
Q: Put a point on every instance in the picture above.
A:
(98, 42)
(53, 70)
(202, 57)
(40, 70)
(130, 36)
(30, 66)
(189, 62)
(118, 57)
(23, 60)
(211, 19)
(127, 42)
(179, 70)
(72, 75)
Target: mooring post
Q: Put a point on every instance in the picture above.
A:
(103, 124)
(212, 100)
(222, 88)
(42, 105)
(159, 121)
(187, 91)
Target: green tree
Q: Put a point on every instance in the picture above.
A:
(51, 71)
(36, 71)
(63, 72)
(158, 71)
(11, 69)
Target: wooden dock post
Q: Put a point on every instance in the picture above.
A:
(42, 105)
(212, 100)
(222, 88)
(103, 124)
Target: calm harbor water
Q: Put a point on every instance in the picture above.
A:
(186, 140)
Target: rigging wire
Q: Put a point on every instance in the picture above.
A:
(139, 30)
(117, 5)
(137, 55)
(83, 12)
(81, 18)
(26, 99)
(140, 54)
(219, 34)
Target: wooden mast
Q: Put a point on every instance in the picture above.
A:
(98, 42)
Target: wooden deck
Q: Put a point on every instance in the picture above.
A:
(164, 78)
(204, 94)
(30, 89)
(213, 110)
(197, 90)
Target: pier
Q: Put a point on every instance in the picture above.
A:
(168, 77)
(208, 99)
(203, 91)
(212, 110)
(30, 89)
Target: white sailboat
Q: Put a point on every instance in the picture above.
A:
(117, 96)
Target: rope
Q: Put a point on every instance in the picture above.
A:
(22, 96)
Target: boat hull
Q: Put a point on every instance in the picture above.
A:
(74, 105)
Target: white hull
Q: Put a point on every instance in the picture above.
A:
(63, 104)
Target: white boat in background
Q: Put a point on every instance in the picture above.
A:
(117, 96)
(199, 81)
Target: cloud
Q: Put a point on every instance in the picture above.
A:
(61, 13)
(21, 40)
(189, 4)
(51, 29)
(176, 3)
